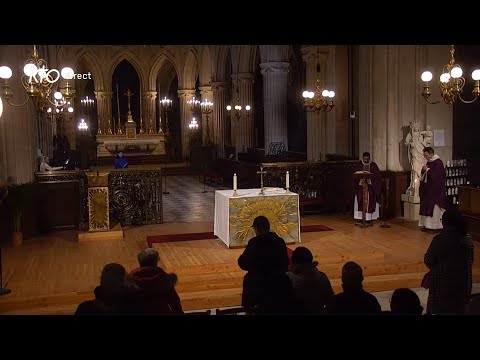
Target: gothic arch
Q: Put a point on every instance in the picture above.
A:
(205, 66)
(223, 63)
(157, 67)
(248, 58)
(90, 60)
(131, 58)
(190, 71)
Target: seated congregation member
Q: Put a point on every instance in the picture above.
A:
(449, 258)
(311, 288)
(160, 296)
(117, 294)
(405, 302)
(266, 287)
(353, 299)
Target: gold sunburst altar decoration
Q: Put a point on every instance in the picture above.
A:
(281, 211)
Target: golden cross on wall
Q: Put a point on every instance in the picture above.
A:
(261, 172)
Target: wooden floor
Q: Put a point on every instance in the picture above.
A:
(53, 274)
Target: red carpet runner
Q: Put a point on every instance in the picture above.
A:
(209, 235)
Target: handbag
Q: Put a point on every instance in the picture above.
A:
(425, 281)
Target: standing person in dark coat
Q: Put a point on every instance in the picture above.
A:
(353, 300)
(160, 296)
(311, 287)
(433, 200)
(266, 287)
(374, 190)
(449, 258)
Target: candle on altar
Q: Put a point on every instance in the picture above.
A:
(287, 180)
(234, 182)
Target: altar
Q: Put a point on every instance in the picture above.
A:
(234, 214)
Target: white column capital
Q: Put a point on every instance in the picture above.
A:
(149, 95)
(205, 89)
(186, 92)
(103, 94)
(244, 77)
(274, 67)
(220, 85)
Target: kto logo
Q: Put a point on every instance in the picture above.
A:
(51, 76)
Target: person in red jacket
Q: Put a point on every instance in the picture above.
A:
(160, 296)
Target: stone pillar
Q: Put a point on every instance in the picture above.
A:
(245, 130)
(206, 93)
(149, 111)
(275, 82)
(316, 121)
(104, 110)
(185, 117)
(219, 131)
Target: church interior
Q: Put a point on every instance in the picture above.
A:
(106, 150)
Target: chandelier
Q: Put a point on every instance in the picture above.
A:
(451, 83)
(41, 85)
(237, 108)
(318, 100)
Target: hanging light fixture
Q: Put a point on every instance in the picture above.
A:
(39, 82)
(451, 83)
(82, 125)
(320, 99)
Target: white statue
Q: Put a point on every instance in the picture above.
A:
(416, 141)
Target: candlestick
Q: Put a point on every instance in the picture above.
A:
(287, 182)
(235, 185)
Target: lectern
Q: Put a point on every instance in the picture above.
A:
(362, 177)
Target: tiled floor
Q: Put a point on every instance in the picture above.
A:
(186, 201)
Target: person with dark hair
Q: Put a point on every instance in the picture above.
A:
(450, 258)
(405, 302)
(160, 296)
(311, 288)
(433, 201)
(120, 162)
(374, 190)
(117, 294)
(266, 287)
(354, 299)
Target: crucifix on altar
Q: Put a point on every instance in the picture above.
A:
(261, 172)
(130, 125)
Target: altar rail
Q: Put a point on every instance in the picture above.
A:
(328, 184)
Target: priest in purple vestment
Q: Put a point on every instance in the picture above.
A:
(433, 201)
(374, 190)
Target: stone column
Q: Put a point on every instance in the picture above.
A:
(149, 111)
(185, 117)
(275, 82)
(206, 93)
(104, 110)
(245, 130)
(219, 130)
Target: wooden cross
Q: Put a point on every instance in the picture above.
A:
(261, 172)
